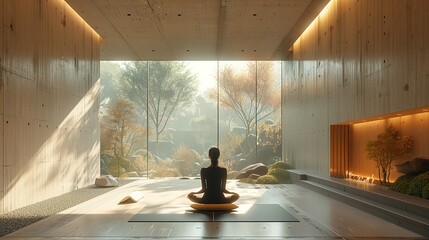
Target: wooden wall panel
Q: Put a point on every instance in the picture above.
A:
(359, 59)
(419, 48)
(1, 107)
(49, 79)
(340, 150)
(1, 162)
(1, 44)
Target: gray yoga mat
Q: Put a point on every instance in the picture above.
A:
(257, 213)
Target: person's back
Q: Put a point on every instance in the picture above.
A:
(213, 179)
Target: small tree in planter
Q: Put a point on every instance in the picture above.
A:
(387, 147)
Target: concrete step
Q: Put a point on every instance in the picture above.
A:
(377, 205)
(403, 202)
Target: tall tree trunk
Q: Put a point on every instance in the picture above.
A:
(379, 177)
(384, 177)
(388, 174)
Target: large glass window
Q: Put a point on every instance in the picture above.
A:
(158, 119)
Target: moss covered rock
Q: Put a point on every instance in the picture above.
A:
(267, 179)
(418, 183)
(232, 174)
(402, 184)
(282, 175)
(282, 165)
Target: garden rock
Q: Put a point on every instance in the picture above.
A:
(257, 168)
(415, 166)
(254, 176)
(106, 181)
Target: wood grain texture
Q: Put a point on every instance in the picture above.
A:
(339, 150)
(1, 162)
(196, 30)
(49, 86)
(1, 41)
(358, 59)
(103, 218)
(1, 107)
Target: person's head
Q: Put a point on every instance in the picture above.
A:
(214, 154)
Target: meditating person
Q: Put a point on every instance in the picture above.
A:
(213, 183)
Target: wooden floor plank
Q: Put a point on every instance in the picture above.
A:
(102, 218)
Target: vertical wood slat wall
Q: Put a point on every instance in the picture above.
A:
(340, 136)
(1, 107)
(49, 87)
(358, 59)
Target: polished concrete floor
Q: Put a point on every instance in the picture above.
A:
(320, 217)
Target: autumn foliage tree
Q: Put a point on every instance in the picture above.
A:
(270, 135)
(388, 146)
(118, 129)
(249, 94)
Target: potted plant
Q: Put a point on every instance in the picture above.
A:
(388, 146)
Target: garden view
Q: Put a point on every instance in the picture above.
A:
(158, 119)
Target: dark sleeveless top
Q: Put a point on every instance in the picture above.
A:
(213, 181)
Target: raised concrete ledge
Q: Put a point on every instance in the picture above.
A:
(407, 211)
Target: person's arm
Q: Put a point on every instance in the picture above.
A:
(224, 178)
(203, 182)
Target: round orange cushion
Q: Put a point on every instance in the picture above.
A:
(214, 207)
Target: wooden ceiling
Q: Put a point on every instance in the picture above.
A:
(197, 29)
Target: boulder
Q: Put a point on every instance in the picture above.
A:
(254, 176)
(265, 155)
(415, 166)
(106, 181)
(257, 168)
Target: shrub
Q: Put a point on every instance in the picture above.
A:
(247, 180)
(165, 172)
(280, 174)
(267, 179)
(232, 174)
(425, 191)
(282, 165)
(418, 183)
(187, 158)
(402, 184)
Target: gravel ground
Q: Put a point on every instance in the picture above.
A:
(25, 216)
